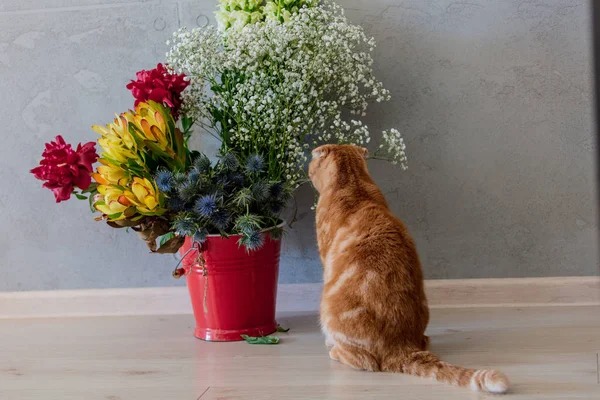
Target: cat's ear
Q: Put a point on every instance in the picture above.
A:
(320, 152)
(363, 152)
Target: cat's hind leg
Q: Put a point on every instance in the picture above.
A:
(354, 356)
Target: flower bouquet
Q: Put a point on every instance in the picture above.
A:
(275, 79)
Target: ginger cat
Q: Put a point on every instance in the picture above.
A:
(373, 309)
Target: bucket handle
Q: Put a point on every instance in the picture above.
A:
(179, 272)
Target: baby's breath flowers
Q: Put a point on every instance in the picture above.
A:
(393, 148)
(281, 86)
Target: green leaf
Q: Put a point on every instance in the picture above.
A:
(261, 339)
(80, 196)
(167, 155)
(133, 167)
(217, 114)
(172, 245)
(91, 200)
(110, 160)
(179, 144)
(186, 124)
(114, 216)
(166, 114)
(138, 136)
(282, 329)
(92, 188)
(165, 238)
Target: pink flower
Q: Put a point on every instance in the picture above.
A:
(159, 85)
(64, 168)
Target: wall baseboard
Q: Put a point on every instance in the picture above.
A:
(524, 292)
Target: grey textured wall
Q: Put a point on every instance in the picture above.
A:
(493, 97)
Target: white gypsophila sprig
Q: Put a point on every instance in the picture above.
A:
(281, 88)
(393, 148)
(197, 52)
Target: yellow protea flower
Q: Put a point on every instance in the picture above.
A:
(142, 198)
(115, 203)
(145, 197)
(109, 174)
(151, 125)
(138, 141)
(116, 140)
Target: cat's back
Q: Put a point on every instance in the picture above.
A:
(372, 265)
(380, 233)
(362, 220)
(370, 240)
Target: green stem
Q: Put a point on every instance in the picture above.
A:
(378, 158)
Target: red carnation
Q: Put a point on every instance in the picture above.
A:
(159, 85)
(64, 168)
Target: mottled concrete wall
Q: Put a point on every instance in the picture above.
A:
(493, 97)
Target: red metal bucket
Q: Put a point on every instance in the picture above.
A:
(233, 292)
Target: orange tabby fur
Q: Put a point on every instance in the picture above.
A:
(374, 311)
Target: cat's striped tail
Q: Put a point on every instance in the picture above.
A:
(426, 364)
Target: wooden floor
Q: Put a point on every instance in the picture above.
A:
(547, 352)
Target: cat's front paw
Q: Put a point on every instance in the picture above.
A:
(329, 342)
(333, 354)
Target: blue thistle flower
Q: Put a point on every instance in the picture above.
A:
(200, 235)
(164, 180)
(255, 163)
(175, 203)
(243, 198)
(179, 179)
(193, 177)
(260, 191)
(206, 205)
(277, 207)
(187, 191)
(237, 179)
(230, 161)
(252, 240)
(202, 164)
(220, 219)
(246, 224)
(276, 190)
(222, 179)
(184, 227)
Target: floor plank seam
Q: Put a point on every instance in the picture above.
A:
(203, 393)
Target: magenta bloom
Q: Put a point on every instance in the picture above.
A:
(159, 85)
(64, 168)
